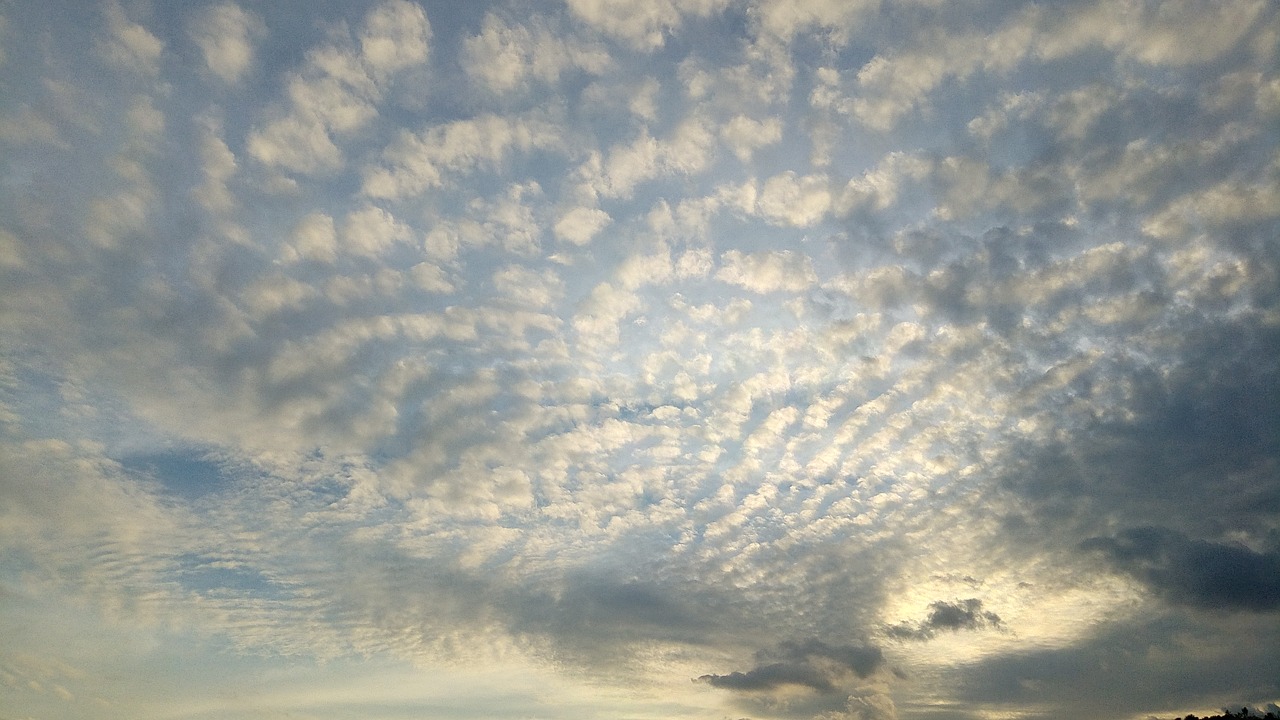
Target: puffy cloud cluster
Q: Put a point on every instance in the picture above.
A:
(338, 89)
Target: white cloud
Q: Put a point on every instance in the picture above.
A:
(598, 317)
(694, 263)
(227, 35)
(744, 136)
(880, 186)
(787, 18)
(773, 271)
(764, 78)
(313, 238)
(128, 45)
(798, 201)
(300, 144)
(508, 221)
(371, 231)
(1012, 106)
(1221, 204)
(349, 288)
(418, 162)
(1076, 112)
(645, 269)
(643, 100)
(889, 86)
(504, 56)
(687, 151)
(1167, 33)
(431, 278)
(11, 256)
(338, 89)
(579, 225)
(276, 293)
(335, 90)
(28, 125)
(642, 25)
(126, 213)
(528, 288)
(218, 167)
(396, 36)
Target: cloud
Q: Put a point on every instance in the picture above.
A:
(811, 664)
(425, 160)
(799, 201)
(371, 231)
(602, 311)
(579, 225)
(891, 86)
(872, 703)
(1218, 576)
(605, 346)
(128, 45)
(767, 272)
(396, 36)
(313, 238)
(296, 144)
(1155, 654)
(219, 166)
(527, 287)
(744, 135)
(641, 26)
(1154, 37)
(227, 35)
(338, 89)
(686, 151)
(788, 19)
(947, 616)
(506, 56)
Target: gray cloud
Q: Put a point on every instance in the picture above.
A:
(1190, 446)
(1131, 665)
(812, 664)
(947, 617)
(1211, 575)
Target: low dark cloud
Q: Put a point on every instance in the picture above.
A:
(1174, 479)
(768, 677)
(947, 617)
(1161, 664)
(1199, 573)
(812, 664)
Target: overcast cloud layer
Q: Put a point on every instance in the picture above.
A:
(681, 359)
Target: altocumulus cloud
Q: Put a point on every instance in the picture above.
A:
(386, 358)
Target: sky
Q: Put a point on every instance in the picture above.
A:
(639, 359)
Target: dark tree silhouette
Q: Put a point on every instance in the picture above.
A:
(1228, 715)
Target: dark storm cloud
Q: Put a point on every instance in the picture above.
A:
(1192, 448)
(1166, 664)
(1195, 572)
(813, 664)
(947, 616)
